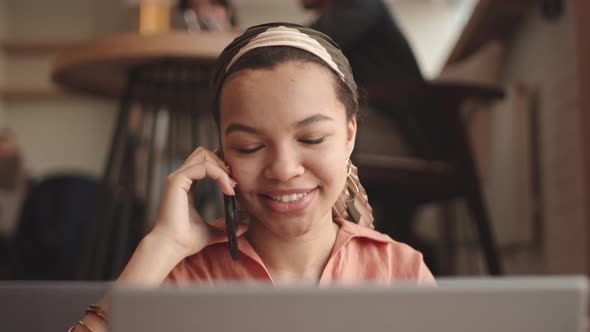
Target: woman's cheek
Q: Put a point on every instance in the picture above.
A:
(330, 156)
(241, 172)
(323, 164)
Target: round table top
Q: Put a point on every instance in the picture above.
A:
(100, 66)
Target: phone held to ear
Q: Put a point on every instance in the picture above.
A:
(229, 206)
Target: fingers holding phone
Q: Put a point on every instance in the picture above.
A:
(214, 168)
(178, 220)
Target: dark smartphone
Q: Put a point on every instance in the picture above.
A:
(229, 206)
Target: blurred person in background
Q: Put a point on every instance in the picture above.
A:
(369, 36)
(210, 15)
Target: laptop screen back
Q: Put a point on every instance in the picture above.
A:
(507, 305)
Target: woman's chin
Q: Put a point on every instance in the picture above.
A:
(294, 231)
(288, 228)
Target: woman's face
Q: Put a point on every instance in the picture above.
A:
(286, 139)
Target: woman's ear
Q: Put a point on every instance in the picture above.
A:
(350, 135)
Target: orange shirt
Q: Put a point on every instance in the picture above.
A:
(359, 255)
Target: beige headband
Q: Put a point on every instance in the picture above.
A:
(284, 36)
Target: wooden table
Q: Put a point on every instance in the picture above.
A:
(101, 66)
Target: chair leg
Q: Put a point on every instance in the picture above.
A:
(448, 247)
(475, 201)
(479, 213)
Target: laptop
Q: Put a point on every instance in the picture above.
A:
(556, 304)
(46, 306)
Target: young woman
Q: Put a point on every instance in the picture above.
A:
(286, 105)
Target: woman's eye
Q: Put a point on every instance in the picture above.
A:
(247, 151)
(312, 141)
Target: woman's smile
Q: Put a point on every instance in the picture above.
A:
(291, 201)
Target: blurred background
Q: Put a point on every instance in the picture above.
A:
(513, 74)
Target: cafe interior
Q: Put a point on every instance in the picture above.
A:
(101, 99)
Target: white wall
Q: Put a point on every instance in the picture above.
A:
(62, 135)
(252, 14)
(56, 19)
(56, 134)
(432, 28)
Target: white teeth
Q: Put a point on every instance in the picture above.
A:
(288, 198)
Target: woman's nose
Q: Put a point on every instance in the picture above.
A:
(283, 165)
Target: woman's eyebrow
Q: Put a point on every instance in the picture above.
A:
(312, 119)
(233, 127)
(240, 127)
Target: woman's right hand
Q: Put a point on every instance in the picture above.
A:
(179, 231)
(178, 222)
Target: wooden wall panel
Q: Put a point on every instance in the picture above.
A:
(582, 13)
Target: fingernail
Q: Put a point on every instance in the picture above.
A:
(233, 183)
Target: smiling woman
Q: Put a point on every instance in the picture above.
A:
(299, 146)
(286, 106)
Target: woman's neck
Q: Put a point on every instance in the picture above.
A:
(300, 259)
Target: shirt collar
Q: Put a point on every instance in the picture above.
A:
(243, 244)
(347, 231)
